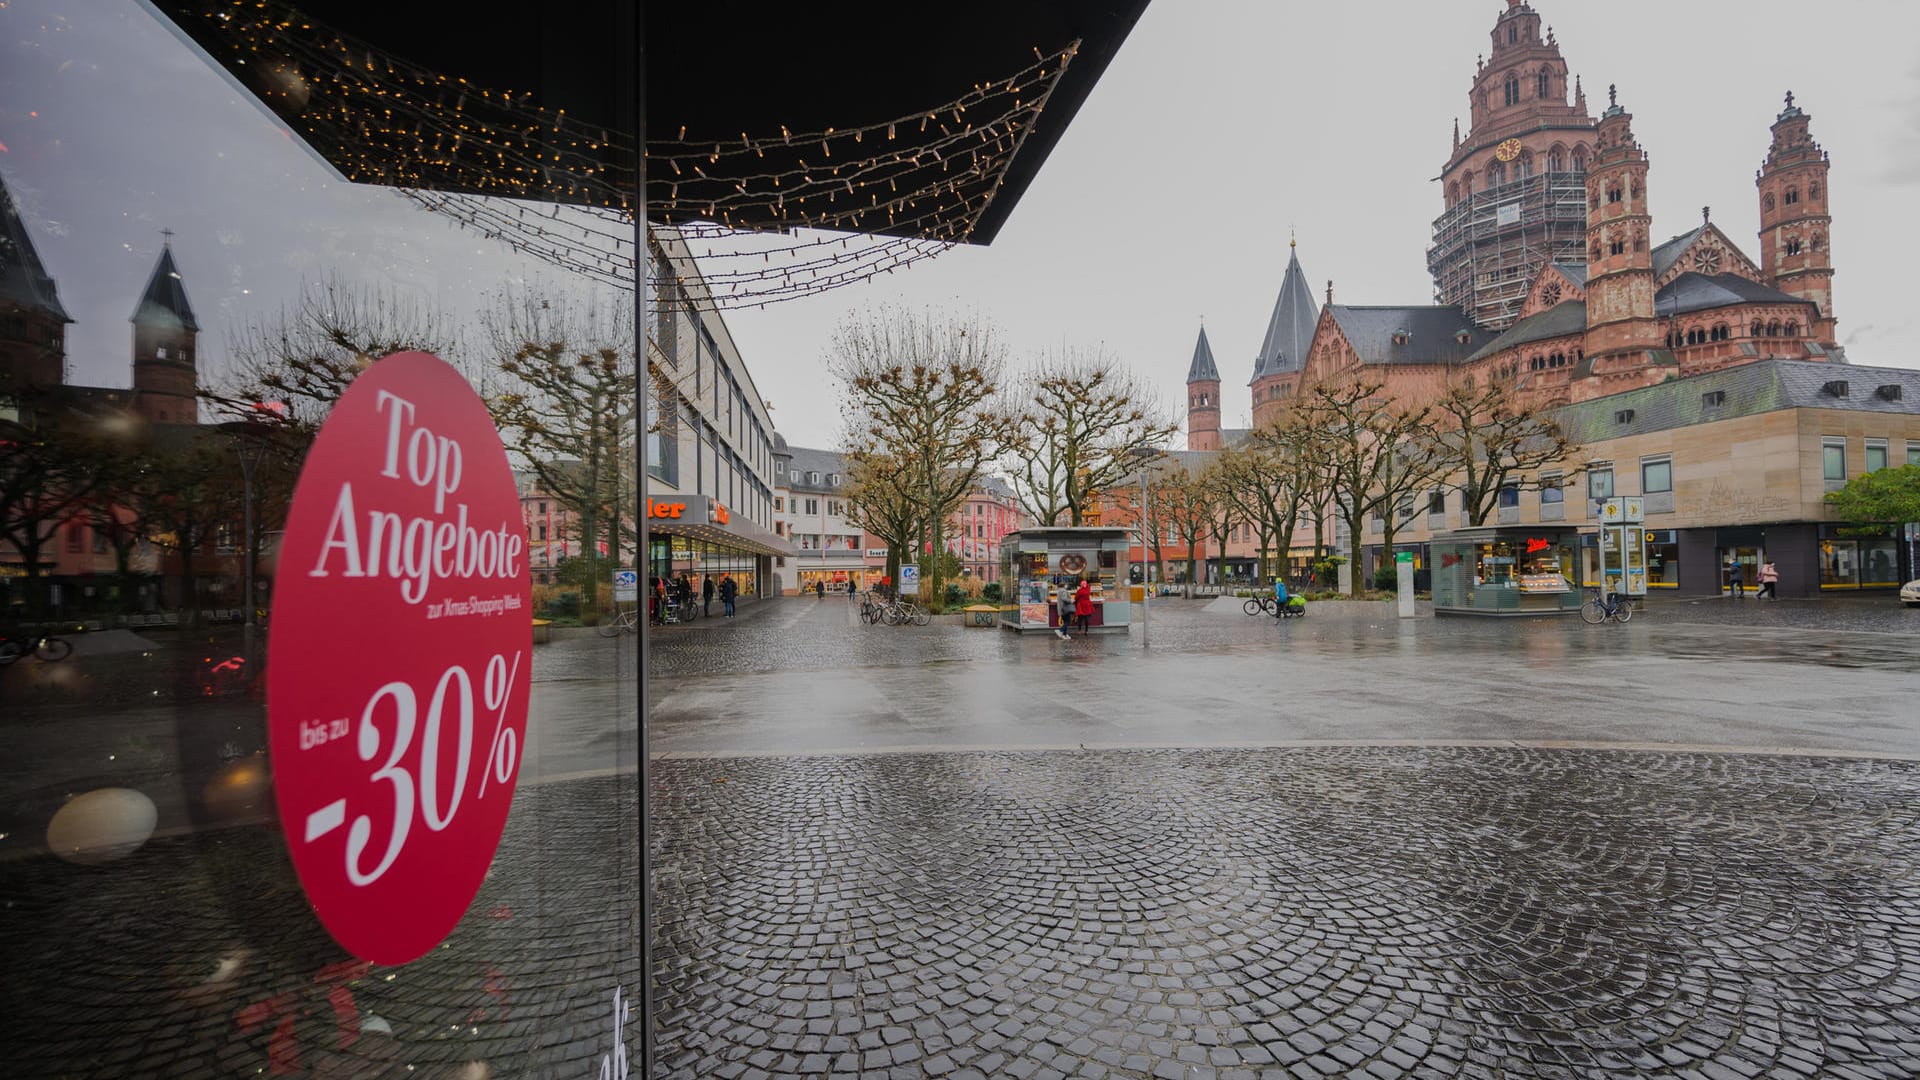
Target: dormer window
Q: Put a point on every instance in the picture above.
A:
(1623, 416)
(1713, 399)
(1836, 388)
(1462, 336)
(1401, 337)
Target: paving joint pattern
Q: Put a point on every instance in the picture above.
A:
(1375, 911)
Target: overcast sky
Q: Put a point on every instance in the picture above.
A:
(1218, 127)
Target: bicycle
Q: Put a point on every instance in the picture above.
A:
(1260, 605)
(900, 612)
(44, 646)
(1596, 611)
(626, 619)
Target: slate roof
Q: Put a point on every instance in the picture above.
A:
(1574, 272)
(1202, 369)
(1432, 333)
(824, 462)
(165, 301)
(1699, 292)
(1669, 253)
(1759, 387)
(1290, 328)
(1566, 317)
(23, 277)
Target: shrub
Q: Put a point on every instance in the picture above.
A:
(955, 595)
(1387, 577)
(990, 592)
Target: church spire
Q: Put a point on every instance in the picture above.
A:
(1290, 327)
(1202, 369)
(164, 304)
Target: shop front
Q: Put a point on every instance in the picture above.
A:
(1508, 570)
(696, 537)
(1036, 565)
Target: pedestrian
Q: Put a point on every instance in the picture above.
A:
(819, 590)
(1083, 605)
(1769, 581)
(706, 594)
(1063, 606)
(728, 589)
(1734, 584)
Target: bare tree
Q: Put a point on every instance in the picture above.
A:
(46, 474)
(922, 388)
(882, 501)
(1083, 419)
(567, 404)
(1493, 436)
(1371, 447)
(1189, 508)
(306, 356)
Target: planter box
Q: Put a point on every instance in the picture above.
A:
(542, 631)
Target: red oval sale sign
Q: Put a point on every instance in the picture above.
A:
(401, 655)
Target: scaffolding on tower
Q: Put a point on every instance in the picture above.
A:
(1488, 247)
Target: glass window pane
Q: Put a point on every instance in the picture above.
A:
(1656, 476)
(1833, 459)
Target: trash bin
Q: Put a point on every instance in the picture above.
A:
(981, 614)
(1139, 593)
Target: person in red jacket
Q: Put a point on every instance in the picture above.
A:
(1083, 605)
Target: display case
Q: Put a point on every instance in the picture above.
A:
(1036, 565)
(1527, 570)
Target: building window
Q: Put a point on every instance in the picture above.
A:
(1436, 502)
(1656, 475)
(1600, 482)
(813, 506)
(779, 504)
(1617, 247)
(543, 533)
(1793, 196)
(1509, 495)
(1876, 458)
(1833, 459)
(1543, 83)
(1792, 329)
(1913, 451)
(1713, 399)
(1550, 490)
(1793, 246)
(1773, 328)
(1513, 89)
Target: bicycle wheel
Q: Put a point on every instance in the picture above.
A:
(921, 617)
(54, 648)
(891, 615)
(1594, 612)
(610, 628)
(9, 652)
(1253, 607)
(1624, 611)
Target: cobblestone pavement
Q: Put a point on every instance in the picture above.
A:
(1376, 911)
(1059, 869)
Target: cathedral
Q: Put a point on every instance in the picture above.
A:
(1543, 265)
(33, 334)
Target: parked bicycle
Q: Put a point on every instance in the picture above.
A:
(43, 646)
(625, 620)
(1614, 606)
(895, 611)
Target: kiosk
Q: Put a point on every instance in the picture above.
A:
(1507, 570)
(1035, 564)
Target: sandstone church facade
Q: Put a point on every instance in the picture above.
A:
(1544, 265)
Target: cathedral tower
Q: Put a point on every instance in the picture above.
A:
(1283, 352)
(1512, 185)
(1619, 258)
(1203, 398)
(165, 376)
(1794, 226)
(33, 325)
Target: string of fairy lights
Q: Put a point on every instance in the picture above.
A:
(492, 162)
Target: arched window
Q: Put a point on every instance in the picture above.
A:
(1596, 251)
(1773, 328)
(1617, 247)
(1722, 332)
(1639, 243)
(1543, 84)
(1615, 194)
(1593, 202)
(1466, 185)
(1758, 328)
(1793, 246)
(1766, 201)
(1792, 328)
(1513, 34)
(1793, 196)
(1496, 175)
(1580, 159)
(1813, 190)
(1817, 241)
(1513, 89)
(1556, 160)
(1526, 164)
(1453, 193)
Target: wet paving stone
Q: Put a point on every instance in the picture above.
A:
(1326, 911)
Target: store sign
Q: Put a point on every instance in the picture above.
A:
(665, 509)
(401, 637)
(716, 514)
(626, 586)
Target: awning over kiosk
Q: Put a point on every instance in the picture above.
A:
(704, 518)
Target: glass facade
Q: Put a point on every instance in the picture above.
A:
(193, 865)
(1859, 557)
